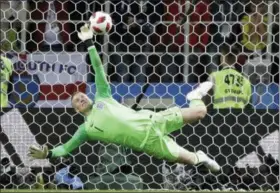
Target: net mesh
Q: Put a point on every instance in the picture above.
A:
(162, 49)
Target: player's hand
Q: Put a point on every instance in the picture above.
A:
(85, 33)
(37, 152)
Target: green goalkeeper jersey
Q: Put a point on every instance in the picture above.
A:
(109, 121)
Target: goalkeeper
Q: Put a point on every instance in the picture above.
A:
(144, 130)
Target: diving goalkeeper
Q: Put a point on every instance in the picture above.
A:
(145, 131)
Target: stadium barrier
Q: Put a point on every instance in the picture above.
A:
(28, 92)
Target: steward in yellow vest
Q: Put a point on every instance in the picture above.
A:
(231, 89)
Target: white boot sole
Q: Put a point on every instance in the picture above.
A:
(200, 91)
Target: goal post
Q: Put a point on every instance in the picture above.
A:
(156, 53)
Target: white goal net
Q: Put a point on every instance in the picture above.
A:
(156, 53)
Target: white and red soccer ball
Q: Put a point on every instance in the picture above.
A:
(100, 22)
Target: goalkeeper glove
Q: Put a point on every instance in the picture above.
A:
(38, 153)
(86, 33)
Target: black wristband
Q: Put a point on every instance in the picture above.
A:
(89, 43)
(49, 155)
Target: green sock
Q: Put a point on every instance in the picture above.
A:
(196, 102)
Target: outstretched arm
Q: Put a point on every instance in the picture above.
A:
(79, 138)
(102, 86)
(103, 89)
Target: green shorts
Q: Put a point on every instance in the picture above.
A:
(159, 144)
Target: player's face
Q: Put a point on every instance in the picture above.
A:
(81, 102)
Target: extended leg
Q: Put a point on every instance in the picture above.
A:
(187, 157)
(197, 109)
(178, 154)
(195, 112)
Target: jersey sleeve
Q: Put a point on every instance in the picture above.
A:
(103, 89)
(78, 138)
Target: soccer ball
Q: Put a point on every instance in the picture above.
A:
(100, 22)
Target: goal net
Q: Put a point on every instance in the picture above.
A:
(156, 53)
